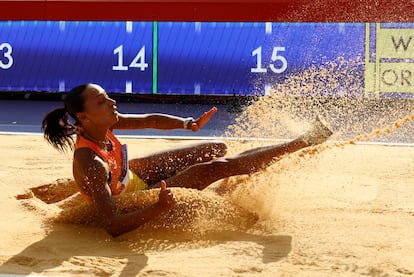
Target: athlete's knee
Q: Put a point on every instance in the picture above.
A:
(238, 165)
(227, 167)
(219, 148)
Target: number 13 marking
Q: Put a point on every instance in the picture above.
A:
(7, 55)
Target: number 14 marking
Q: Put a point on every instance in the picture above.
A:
(138, 62)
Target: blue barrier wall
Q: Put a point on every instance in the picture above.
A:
(207, 58)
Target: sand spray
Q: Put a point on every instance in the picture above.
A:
(333, 90)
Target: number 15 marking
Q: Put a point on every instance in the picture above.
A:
(275, 57)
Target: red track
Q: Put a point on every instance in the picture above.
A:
(212, 10)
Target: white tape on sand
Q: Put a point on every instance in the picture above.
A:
(219, 138)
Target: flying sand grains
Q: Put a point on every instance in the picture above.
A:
(195, 211)
(333, 90)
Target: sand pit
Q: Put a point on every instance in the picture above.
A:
(341, 209)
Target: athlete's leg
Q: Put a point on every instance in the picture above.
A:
(201, 175)
(161, 165)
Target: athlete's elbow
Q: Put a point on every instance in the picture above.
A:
(118, 227)
(113, 230)
(113, 227)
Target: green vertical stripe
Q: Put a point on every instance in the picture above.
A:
(155, 58)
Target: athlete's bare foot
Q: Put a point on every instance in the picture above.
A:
(318, 133)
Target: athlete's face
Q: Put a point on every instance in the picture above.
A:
(99, 109)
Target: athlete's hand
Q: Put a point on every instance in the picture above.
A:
(202, 120)
(166, 199)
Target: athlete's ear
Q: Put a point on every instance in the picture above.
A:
(82, 117)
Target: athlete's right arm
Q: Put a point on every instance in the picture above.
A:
(91, 175)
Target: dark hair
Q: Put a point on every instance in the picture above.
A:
(57, 129)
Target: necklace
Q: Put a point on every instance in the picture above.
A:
(105, 144)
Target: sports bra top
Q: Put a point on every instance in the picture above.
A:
(116, 158)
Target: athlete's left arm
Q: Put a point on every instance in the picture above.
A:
(162, 121)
